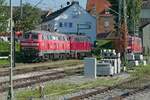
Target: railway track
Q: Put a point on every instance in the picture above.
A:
(29, 81)
(132, 92)
(96, 91)
(106, 92)
(33, 69)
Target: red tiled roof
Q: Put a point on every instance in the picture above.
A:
(100, 5)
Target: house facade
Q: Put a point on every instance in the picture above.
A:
(105, 20)
(72, 19)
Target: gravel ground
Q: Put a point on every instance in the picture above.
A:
(145, 95)
(19, 76)
(79, 80)
(6, 78)
(108, 95)
(75, 79)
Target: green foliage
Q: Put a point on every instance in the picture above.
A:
(133, 11)
(3, 62)
(31, 17)
(56, 89)
(5, 48)
(114, 4)
(142, 71)
(3, 16)
(102, 44)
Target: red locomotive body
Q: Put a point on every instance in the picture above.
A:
(134, 44)
(80, 45)
(46, 45)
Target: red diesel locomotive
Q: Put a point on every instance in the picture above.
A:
(134, 44)
(48, 45)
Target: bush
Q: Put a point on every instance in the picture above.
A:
(5, 48)
(102, 44)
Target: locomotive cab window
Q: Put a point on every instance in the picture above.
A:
(34, 36)
(26, 36)
(44, 37)
(49, 37)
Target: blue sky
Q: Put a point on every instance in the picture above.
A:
(47, 4)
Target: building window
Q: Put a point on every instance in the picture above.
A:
(65, 24)
(106, 24)
(60, 24)
(70, 25)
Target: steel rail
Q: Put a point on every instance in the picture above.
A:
(24, 82)
(127, 94)
(99, 91)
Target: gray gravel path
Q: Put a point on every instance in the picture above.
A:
(145, 95)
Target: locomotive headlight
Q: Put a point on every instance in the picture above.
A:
(35, 44)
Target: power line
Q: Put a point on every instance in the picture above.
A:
(40, 1)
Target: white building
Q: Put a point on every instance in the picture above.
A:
(72, 19)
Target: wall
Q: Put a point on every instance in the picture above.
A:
(105, 24)
(145, 13)
(48, 26)
(146, 38)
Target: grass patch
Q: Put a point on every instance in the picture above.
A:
(58, 89)
(141, 72)
(5, 48)
(3, 62)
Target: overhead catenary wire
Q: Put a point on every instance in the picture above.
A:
(39, 2)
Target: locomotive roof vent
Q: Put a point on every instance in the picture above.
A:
(68, 3)
(75, 2)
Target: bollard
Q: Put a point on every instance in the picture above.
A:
(41, 90)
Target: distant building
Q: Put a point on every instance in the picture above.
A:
(145, 13)
(145, 26)
(72, 19)
(146, 38)
(105, 20)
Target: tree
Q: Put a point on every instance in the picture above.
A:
(134, 10)
(3, 16)
(30, 19)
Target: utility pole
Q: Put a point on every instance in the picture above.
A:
(125, 23)
(21, 9)
(11, 94)
(122, 28)
(119, 15)
(125, 30)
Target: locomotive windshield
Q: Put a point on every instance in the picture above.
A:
(26, 36)
(34, 36)
(30, 35)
